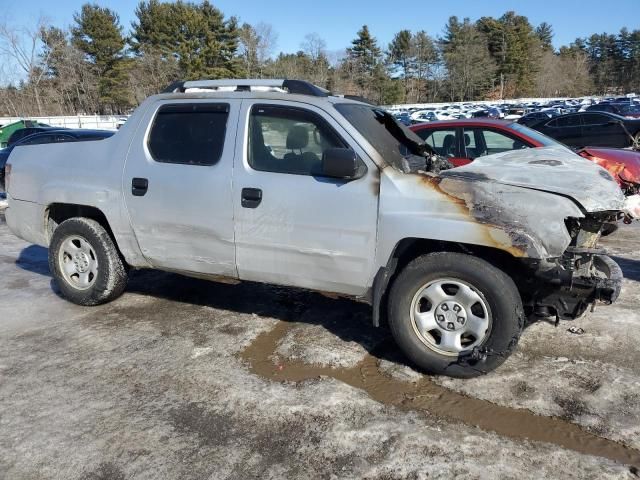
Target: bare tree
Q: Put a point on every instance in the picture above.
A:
(22, 45)
(314, 46)
(257, 43)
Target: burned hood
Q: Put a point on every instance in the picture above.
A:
(550, 169)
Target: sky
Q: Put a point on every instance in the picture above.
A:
(337, 21)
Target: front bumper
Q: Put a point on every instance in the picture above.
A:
(583, 278)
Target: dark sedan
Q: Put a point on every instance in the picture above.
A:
(628, 109)
(595, 129)
(534, 117)
(27, 131)
(51, 135)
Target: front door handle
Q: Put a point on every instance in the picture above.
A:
(139, 186)
(251, 197)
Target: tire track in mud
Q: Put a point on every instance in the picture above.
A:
(426, 396)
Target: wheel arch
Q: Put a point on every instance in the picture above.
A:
(407, 249)
(56, 213)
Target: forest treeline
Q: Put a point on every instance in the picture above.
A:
(99, 65)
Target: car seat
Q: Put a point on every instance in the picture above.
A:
(301, 162)
(448, 146)
(471, 152)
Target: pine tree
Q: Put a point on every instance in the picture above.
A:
(98, 34)
(363, 58)
(466, 55)
(197, 36)
(515, 48)
(544, 32)
(401, 57)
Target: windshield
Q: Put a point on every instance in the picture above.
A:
(395, 143)
(535, 135)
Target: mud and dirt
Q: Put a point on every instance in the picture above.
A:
(427, 396)
(183, 378)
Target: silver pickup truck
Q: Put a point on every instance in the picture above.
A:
(282, 182)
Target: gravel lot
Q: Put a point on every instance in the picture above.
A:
(181, 378)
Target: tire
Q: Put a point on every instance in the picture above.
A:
(489, 321)
(85, 262)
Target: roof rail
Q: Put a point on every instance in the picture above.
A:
(300, 87)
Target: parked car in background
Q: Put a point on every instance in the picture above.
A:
(423, 117)
(604, 107)
(596, 129)
(51, 135)
(624, 109)
(623, 164)
(27, 131)
(534, 117)
(463, 141)
(491, 112)
(7, 130)
(403, 117)
(630, 110)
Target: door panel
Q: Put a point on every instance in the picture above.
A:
(306, 230)
(177, 186)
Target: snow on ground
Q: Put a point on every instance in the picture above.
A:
(150, 386)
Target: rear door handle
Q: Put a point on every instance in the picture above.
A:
(251, 197)
(139, 186)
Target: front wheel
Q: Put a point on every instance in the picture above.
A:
(85, 262)
(455, 314)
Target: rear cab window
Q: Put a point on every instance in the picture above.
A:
(189, 133)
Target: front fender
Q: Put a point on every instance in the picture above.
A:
(523, 222)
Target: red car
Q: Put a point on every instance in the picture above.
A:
(461, 141)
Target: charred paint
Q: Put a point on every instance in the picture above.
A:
(465, 207)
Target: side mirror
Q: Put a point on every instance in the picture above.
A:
(342, 163)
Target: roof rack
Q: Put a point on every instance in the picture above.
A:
(300, 87)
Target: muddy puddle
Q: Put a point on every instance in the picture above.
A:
(426, 396)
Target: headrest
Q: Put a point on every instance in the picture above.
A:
(467, 139)
(448, 141)
(297, 138)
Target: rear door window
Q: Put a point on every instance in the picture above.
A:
(568, 121)
(497, 142)
(190, 134)
(594, 119)
(484, 141)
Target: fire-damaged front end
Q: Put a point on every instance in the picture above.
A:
(554, 208)
(566, 286)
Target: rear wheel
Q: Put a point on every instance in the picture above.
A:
(455, 314)
(85, 262)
